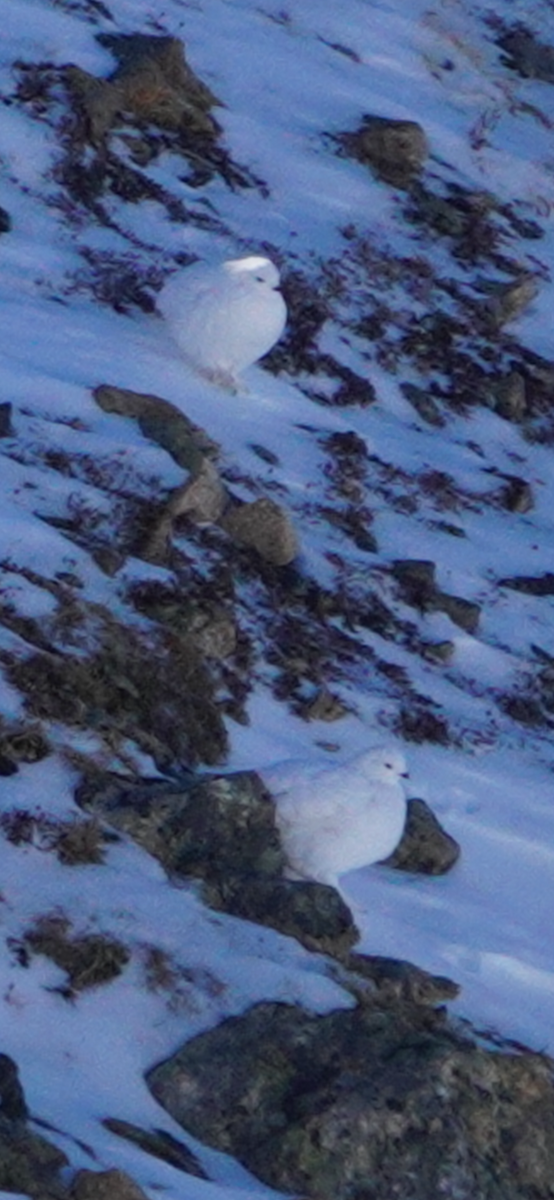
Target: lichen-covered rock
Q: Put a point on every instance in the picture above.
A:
(379, 1101)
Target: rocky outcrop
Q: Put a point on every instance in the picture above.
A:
(153, 82)
(381, 1101)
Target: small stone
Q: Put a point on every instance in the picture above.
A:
(109, 559)
(416, 579)
(264, 526)
(438, 651)
(324, 707)
(426, 848)
(507, 396)
(6, 427)
(395, 149)
(517, 496)
(105, 1185)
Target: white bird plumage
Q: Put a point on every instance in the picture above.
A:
(224, 317)
(336, 819)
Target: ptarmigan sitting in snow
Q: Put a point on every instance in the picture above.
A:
(225, 317)
(337, 819)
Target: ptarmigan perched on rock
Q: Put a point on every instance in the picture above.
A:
(224, 317)
(337, 819)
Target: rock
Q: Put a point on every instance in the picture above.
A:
(22, 743)
(532, 585)
(417, 584)
(527, 55)
(159, 1143)
(397, 980)
(517, 496)
(202, 498)
(464, 613)
(426, 847)
(109, 558)
(314, 914)
(506, 301)
(440, 652)
(264, 526)
(325, 706)
(424, 403)
(105, 1185)
(417, 579)
(12, 1100)
(213, 632)
(161, 421)
(7, 766)
(383, 1100)
(5, 221)
(221, 829)
(396, 150)
(507, 396)
(153, 543)
(153, 82)
(28, 1163)
(6, 427)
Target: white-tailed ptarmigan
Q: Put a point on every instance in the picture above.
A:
(336, 819)
(225, 317)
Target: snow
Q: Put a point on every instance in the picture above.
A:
(285, 80)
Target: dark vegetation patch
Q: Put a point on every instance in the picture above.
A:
(419, 723)
(88, 959)
(121, 682)
(75, 842)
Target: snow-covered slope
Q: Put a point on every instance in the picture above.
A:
(388, 293)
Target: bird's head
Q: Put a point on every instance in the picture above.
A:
(260, 269)
(386, 762)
